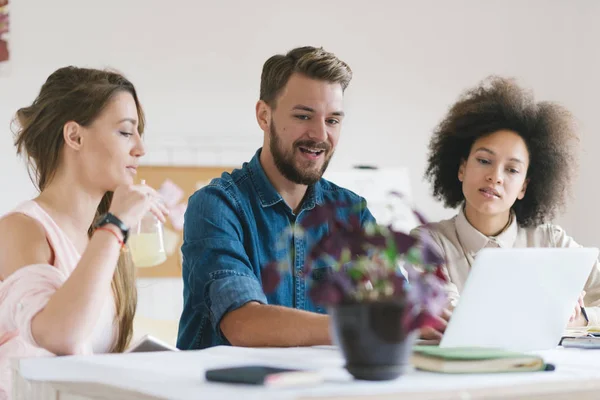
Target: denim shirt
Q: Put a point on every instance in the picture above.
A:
(233, 228)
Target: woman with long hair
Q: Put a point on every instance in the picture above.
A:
(67, 284)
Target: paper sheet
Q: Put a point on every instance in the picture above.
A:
(172, 194)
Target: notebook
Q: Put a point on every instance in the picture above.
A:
(466, 360)
(581, 342)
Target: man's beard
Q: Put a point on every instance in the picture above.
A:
(285, 160)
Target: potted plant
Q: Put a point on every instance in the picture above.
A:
(375, 309)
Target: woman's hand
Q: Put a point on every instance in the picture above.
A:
(577, 318)
(131, 202)
(436, 333)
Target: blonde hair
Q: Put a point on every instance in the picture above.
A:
(80, 95)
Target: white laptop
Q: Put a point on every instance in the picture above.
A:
(519, 299)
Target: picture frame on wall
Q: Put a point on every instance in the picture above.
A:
(4, 35)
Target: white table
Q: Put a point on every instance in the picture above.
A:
(180, 375)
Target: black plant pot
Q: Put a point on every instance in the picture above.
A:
(372, 339)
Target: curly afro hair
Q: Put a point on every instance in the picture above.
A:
(499, 104)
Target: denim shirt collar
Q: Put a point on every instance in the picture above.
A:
(269, 196)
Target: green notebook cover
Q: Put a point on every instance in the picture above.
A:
(468, 353)
(472, 360)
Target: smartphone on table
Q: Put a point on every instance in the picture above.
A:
(264, 375)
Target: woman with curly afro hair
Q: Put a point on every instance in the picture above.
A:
(508, 163)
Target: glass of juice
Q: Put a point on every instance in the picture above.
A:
(146, 242)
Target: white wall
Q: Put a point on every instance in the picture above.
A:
(197, 67)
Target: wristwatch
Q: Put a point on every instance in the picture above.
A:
(109, 218)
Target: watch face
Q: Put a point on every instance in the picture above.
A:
(101, 221)
(108, 218)
(111, 219)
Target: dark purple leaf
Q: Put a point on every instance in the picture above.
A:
(399, 283)
(330, 287)
(421, 320)
(325, 293)
(439, 273)
(332, 244)
(429, 250)
(357, 247)
(376, 240)
(420, 217)
(423, 293)
(329, 244)
(410, 321)
(307, 269)
(322, 214)
(431, 256)
(354, 222)
(270, 277)
(403, 241)
(341, 280)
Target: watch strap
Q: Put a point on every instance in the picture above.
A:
(109, 218)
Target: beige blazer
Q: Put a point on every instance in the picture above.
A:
(459, 241)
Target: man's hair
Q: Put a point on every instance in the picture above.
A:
(312, 62)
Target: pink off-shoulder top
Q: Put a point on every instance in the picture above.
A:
(26, 292)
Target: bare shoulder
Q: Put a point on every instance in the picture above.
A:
(22, 242)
